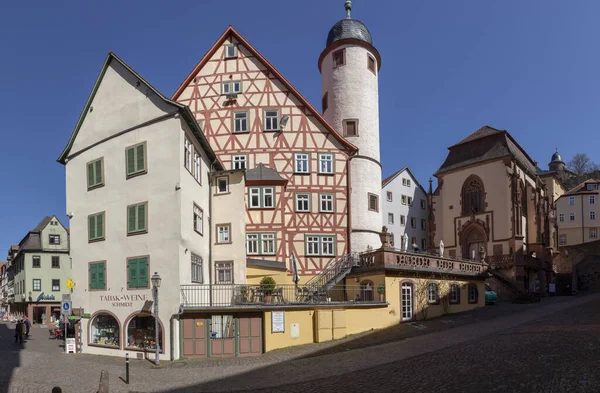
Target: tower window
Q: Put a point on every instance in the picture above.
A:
(371, 63)
(350, 127)
(373, 202)
(325, 102)
(230, 51)
(339, 58)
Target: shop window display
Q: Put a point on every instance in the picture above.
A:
(141, 333)
(105, 331)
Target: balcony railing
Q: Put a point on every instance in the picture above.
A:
(234, 295)
(500, 261)
(421, 262)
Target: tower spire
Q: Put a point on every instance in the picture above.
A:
(348, 7)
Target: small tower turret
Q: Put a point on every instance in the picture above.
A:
(349, 68)
(556, 164)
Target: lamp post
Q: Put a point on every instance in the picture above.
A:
(155, 285)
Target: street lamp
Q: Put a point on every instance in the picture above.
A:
(155, 285)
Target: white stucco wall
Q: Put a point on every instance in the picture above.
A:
(398, 209)
(353, 93)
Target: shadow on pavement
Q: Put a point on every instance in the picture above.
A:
(9, 354)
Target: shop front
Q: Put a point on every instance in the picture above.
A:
(44, 310)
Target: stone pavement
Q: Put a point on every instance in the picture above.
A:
(506, 350)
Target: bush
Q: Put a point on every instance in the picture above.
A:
(267, 284)
(381, 289)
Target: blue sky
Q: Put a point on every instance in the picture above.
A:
(448, 68)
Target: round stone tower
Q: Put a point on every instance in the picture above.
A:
(349, 68)
(557, 164)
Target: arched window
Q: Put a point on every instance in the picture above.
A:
(473, 294)
(141, 333)
(472, 197)
(432, 293)
(454, 294)
(366, 291)
(104, 330)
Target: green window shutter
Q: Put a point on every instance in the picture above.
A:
(141, 217)
(131, 219)
(142, 265)
(98, 172)
(133, 273)
(140, 158)
(90, 174)
(100, 226)
(92, 227)
(101, 283)
(130, 160)
(93, 276)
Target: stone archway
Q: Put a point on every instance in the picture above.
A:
(473, 238)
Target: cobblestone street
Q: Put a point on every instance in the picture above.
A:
(549, 347)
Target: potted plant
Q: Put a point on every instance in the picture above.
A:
(267, 286)
(381, 291)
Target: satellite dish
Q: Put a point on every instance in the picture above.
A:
(284, 121)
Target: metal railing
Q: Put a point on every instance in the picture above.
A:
(239, 295)
(333, 273)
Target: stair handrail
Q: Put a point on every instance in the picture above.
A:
(332, 271)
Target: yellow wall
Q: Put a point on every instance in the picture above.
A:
(304, 318)
(255, 273)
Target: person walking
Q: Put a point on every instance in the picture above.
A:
(27, 327)
(19, 332)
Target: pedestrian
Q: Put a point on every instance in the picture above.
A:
(27, 327)
(19, 332)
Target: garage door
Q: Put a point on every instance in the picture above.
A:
(193, 337)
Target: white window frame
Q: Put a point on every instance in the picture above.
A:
(262, 193)
(320, 245)
(197, 166)
(571, 216)
(388, 196)
(219, 191)
(231, 87)
(593, 233)
(301, 163)
(188, 155)
(592, 199)
(592, 187)
(252, 241)
(270, 118)
(391, 218)
(223, 233)
(197, 266)
(267, 241)
(242, 120)
(326, 160)
(403, 199)
(592, 215)
(572, 201)
(472, 289)
(326, 203)
(198, 220)
(403, 220)
(562, 239)
(229, 55)
(224, 272)
(261, 243)
(561, 217)
(304, 199)
(432, 293)
(454, 293)
(239, 161)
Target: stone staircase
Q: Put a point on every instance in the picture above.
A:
(330, 276)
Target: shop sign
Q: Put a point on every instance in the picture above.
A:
(277, 322)
(123, 300)
(45, 297)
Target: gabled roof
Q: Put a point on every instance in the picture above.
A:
(33, 240)
(264, 174)
(581, 188)
(185, 112)
(230, 31)
(483, 145)
(391, 177)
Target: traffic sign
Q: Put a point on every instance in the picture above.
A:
(66, 297)
(65, 308)
(70, 283)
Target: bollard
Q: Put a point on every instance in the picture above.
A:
(127, 368)
(103, 388)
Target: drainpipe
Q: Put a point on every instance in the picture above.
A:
(171, 330)
(210, 263)
(349, 199)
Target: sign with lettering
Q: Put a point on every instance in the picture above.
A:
(123, 300)
(42, 296)
(277, 322)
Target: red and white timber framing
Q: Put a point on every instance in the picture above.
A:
(263, 87)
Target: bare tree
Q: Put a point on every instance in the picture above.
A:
(444, 286)
(422, 292)
(581, 164)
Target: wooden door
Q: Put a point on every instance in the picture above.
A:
(222, 339)
(250, 335)
(193, 337)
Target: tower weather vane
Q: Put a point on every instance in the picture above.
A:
(348, 7)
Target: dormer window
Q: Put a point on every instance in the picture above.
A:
(230, 51)
(231, 87)
(592, 186)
